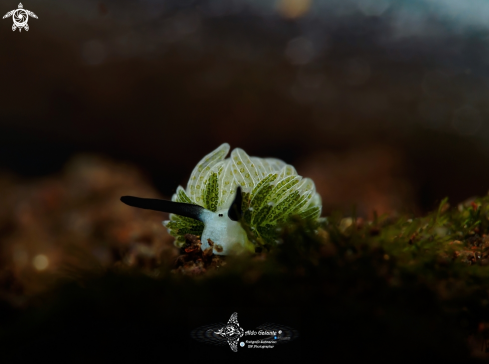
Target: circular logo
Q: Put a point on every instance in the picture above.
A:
(20, 17)
(241, 344)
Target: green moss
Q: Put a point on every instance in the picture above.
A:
(394, 288)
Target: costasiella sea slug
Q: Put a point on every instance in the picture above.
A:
(236, 202)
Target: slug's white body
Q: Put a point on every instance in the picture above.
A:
(223, 231)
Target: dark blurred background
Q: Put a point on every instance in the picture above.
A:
(381, 102)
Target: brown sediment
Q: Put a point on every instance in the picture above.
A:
(194, 260)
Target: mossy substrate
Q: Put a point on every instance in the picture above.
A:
(396, 288)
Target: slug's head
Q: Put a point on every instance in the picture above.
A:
(222, 228)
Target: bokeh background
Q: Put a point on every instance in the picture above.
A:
(383, 103)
